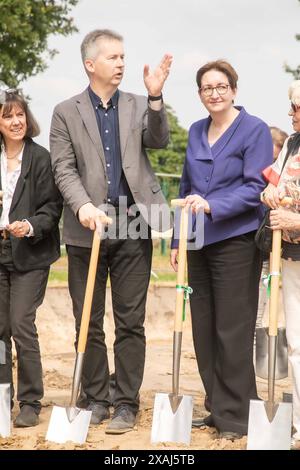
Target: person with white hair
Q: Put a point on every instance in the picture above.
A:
(284, 180)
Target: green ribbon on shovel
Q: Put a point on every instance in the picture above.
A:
(187, 291)
(266, 280)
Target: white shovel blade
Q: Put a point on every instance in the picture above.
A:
(62, 430)
(2, 352)
(168, 426)
(263, 435)
(5, 421)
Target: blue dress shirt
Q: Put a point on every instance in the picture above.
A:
(108, 125)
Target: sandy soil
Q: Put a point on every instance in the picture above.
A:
(55, 326)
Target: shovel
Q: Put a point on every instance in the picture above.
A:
(72, 423)
(4, 399)
(262, 340)
(261, 348)
(172, 414)
(2, 352)
(5, 410)
(270, 423)
(261, 353)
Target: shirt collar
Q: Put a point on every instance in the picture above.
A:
(96, 100)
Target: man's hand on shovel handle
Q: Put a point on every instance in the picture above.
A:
(91, 217)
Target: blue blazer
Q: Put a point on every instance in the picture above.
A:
(228, 174)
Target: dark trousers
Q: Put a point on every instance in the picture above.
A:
(20, 295)
(128, 263)
(225, 280)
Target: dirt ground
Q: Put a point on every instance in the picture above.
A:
(56, 332)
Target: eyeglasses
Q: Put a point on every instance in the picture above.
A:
(294, 107)
(221, 89)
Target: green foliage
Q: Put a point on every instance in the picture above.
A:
(295, 72)
(24, 29)
(170, 160)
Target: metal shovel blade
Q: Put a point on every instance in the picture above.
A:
(61, 429)
(5, 422)
(261, 352)
(168, 426)
(264, 434)
(2, 352)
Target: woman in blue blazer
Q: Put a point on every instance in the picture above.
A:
(225, 157)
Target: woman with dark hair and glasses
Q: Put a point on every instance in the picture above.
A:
(29, 242)
(222, 174)
(284, 180)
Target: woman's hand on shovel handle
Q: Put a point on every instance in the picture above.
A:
(173, 259)
(196, 202)
(271, 196)
(284, 220)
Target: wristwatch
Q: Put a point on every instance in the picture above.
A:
(155, 98)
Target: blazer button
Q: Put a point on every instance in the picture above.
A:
(207, 179)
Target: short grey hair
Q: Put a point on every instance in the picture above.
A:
(294, 92)
(90, 48)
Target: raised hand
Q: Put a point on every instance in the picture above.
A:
(154, 80)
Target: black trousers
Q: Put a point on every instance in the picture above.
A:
(225, 281)
(20, 296)
(128, 263)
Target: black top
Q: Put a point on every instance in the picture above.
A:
(290, 251)
(37, 199)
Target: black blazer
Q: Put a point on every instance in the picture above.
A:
(37, 199)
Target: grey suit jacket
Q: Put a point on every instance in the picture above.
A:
(78, 160)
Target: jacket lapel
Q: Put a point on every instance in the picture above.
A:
(228, 134)
(125, 106)
(201, 148)
(87, 114)
(26, 164)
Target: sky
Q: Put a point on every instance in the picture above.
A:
(256, 36)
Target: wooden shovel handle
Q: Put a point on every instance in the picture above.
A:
(285, 201)
(184, 218)
(275, 282)
(177, 202)
(105, 220)
(89, 291)
(275, 265)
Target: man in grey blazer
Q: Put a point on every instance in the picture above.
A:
(98, 140)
